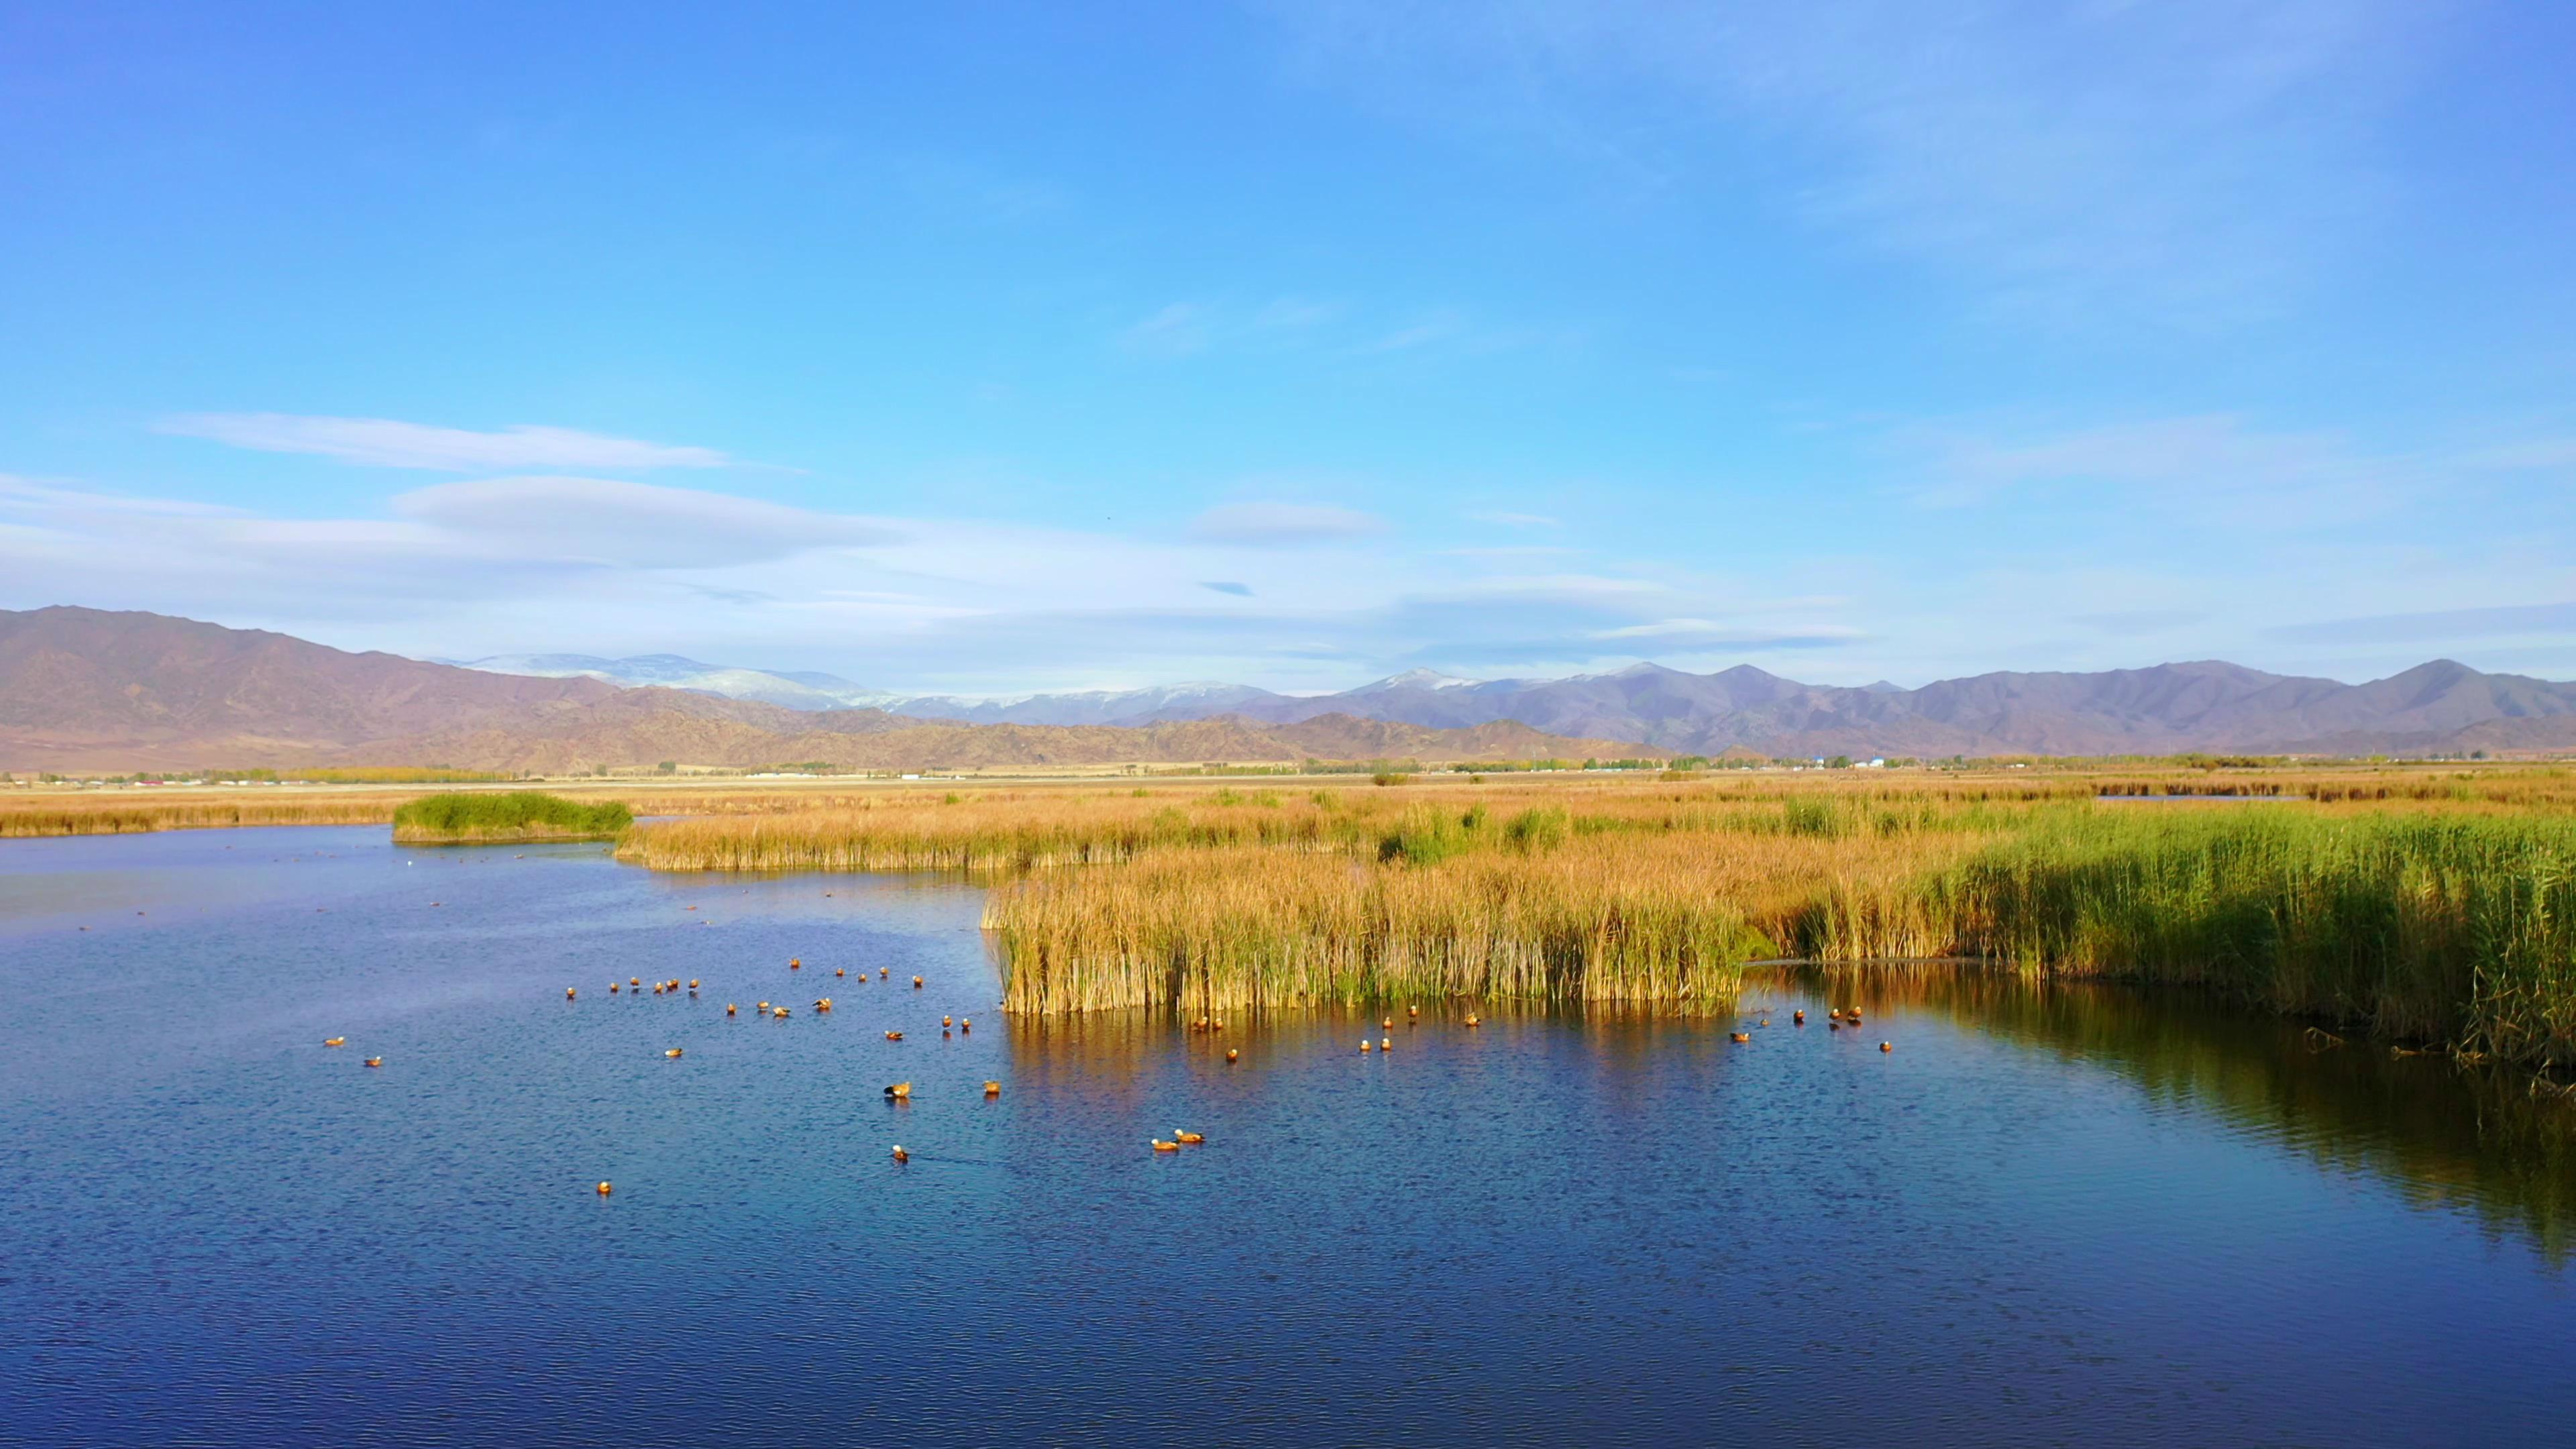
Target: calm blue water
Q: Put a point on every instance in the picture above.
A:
(2047, 1217)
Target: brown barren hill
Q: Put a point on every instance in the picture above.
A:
(872, 740)
(89, 690)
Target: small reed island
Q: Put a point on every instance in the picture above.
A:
(480, 818)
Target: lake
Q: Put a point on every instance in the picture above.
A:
(2049, 1215)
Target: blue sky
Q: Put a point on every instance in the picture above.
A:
(991, 348)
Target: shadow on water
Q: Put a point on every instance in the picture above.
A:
(2495, 1141)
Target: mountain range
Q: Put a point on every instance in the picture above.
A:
(86, 690)
(92, 691)
(2440, 706)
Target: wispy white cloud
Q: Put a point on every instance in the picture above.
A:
(388, 443)
(26, 494)
(2449, 626)
(1290, 324)
(2216, 468)
(1715, 633)
(1419, 334)
(635, 525)
(2192, 158)
(1176, 330)
(1295, 314)
(1276, 525)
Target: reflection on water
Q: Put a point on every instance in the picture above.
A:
(2496, 1141)
(2049, 1214)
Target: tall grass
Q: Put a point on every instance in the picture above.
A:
(459, 817)
(1244, 928)
(1605, 917)
(29, 816)
(2459, 930)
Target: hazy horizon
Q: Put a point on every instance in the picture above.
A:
(1297, 346)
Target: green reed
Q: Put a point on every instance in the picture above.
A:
(2456, 929)
(463, 817)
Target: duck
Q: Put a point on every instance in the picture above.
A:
(1220, 1024)
(1887, 1046)
(335, 1041)
(1193, 1138)
(375, 1061)
(795, 964)
(634, 980)
(992, 1089)
(604, 1189)
(1474, 1020)
(764, 1006)
(728, 1008)
(1387, 1025)
(823, 1005)
(612, 988)
(916, 983)
(947, 1021)
(1366, 1046)
(673, 1054)
(899, 1092)
(1834, 1015)
(881, 971)
(1162, 1146)
(965, 1023)
(1386, 1044)
(1231, 1055)
(780, 1013)
(1799, 1017)
(1739, 1036)
(894, 1036)
(900, 1155)
(693, 983)
(570, 994)
(840, 971)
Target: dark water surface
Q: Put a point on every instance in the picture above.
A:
(2049, 1216)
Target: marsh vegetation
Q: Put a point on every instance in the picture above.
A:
(2430, 906)
(459, 818)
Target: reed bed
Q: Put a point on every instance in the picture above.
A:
(463, 819)
(32, 815)
(1006, 832)
(2456, 930)
(1603, 917)
(1243, 929)
(2426, 904)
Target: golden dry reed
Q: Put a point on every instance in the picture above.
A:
(2436, 906)
(35, 814)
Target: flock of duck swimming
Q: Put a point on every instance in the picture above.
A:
(900, 1093)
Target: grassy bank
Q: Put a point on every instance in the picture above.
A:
(34, 815)
(30, 813)
(464, 819)
(2452, 929)
(2422, 904)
